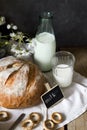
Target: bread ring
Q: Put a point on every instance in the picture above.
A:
(49, 125)
(27, 124)
(35, 117)
(4, 116)
(56, 117)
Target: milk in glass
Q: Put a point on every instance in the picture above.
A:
(45, 47)
(63, 74)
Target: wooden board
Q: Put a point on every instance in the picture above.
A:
(79, 124)
(61, 128)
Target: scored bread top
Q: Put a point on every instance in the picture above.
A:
(21, 83)
(14, 76)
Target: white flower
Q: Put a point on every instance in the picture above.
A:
(14, 27)
(12, 34)
(2, 20)
(8, 26)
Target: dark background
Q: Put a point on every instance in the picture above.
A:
(69, 21)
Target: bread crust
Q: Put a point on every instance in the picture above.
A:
(22, 86)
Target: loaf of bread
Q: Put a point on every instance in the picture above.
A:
(21, 83)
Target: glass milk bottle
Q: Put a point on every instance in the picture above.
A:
(45, 45)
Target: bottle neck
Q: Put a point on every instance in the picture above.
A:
(46, 18)
(46, 21)
(45, 26)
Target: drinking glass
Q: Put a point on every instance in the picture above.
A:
(62, 68)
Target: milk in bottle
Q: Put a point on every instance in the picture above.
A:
(45, 47)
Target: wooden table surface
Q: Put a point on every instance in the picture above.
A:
(80, 66)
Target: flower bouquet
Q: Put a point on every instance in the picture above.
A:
(17, 43)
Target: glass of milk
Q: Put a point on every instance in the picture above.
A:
(62, 68)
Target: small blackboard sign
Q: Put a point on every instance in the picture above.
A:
(52, 96)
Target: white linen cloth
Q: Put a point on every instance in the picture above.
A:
(71, 107)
